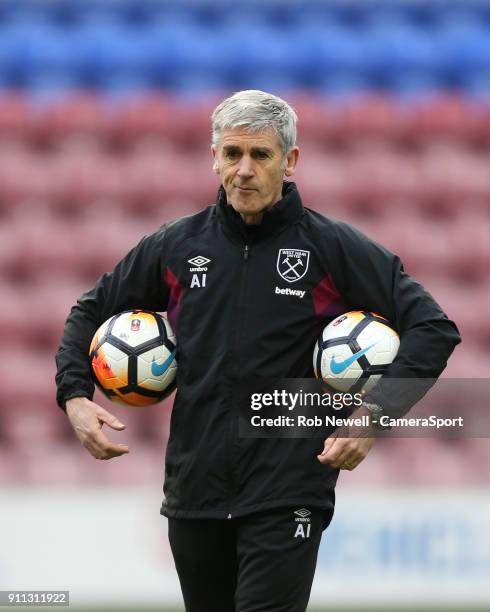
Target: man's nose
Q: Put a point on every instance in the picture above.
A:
(245, 167)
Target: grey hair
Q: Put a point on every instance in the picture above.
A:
(257, 110)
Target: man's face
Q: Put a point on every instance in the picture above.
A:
(252, 168)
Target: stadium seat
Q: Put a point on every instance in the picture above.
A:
(31, 424)
(15, 117)
(142, 466)
(373, 116)
(57, 464)
(446, 116)
(433, 462)
(38, 390)
(104, 135)
(72, 117)
(468, 362)
(11, 468)
(460, 302)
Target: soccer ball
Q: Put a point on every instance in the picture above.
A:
(133, 358)
(354, 351)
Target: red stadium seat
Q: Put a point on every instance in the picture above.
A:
(373, 117)
(32, 424)
(28, 377)
(143, 116)
(453, 174)
(435, 463)
(143, 465)
(78, 118)
(461, 302)
(318, 120)
(449, 116)
(57, 464)
(12, 469)
(164, 119)
(15, 118)
(468, 362)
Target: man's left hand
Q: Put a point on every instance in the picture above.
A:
(348, 445)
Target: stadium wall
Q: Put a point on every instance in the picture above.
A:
(400, 547)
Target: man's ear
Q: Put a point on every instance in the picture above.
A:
(291, 161)
(214, 153)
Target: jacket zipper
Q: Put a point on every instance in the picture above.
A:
(236, 340)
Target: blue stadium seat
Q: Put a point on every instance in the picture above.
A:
(334, 48)
(11, 60)
(412, 84)
(476, 85)
(258, 53)
(195, 44)
(51, 60)
(395, 46)
(178, 56)
(119, 56)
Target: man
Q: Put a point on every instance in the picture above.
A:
(232, 503)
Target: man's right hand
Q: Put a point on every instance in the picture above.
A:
(87, 418)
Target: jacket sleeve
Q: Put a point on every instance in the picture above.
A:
(372, 278)
(137, 281)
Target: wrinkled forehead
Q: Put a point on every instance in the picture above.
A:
(247, 139)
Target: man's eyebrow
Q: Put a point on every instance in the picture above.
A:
(259, 149)
(262, 150)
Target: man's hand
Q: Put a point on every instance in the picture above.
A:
(348, 446)
(87, 418)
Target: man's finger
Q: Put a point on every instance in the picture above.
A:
(333, 451)
(110, 419)
(329, 442)
(341, 453)
(101, 442)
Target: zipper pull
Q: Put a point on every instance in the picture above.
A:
(246, 251)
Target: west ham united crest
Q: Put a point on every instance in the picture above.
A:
(292, 264)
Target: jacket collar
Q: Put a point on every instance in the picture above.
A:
(284, 213)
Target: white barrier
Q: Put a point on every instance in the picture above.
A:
(109, 546)
(406, 547)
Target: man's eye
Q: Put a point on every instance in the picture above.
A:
(231, 154)
(262, 155)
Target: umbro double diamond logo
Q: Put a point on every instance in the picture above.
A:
(199, 261)
(302, 523)
(303, 513)
(198, 264)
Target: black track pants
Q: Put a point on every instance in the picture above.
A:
(259, 563)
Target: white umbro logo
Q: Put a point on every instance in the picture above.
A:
(199, 261)
(198, 264)
(303, 513)
(302, 523)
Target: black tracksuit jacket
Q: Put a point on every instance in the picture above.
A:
(238, 324)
